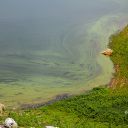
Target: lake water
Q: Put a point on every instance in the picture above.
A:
(52, 47)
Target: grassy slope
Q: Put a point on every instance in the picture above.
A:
(119, 43)
(99, 108)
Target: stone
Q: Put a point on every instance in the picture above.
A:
(107, 52)
(2, 108)
(10, 123)
(51, 127)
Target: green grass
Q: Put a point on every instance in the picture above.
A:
(119, 44)
(101, 107)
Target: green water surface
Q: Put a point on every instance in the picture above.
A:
(49, 48)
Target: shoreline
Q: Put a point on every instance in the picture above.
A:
(57, 98)
(113, 82)
(68, 95)
(60, 97)
(91, 84)
(118, 42)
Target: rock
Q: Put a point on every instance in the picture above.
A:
(2, 126)
(57, 98)
(10, 123)
(126, 112)
(107, 52)
(2, 108)
(51, 127)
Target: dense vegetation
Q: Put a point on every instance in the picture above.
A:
(99, 108)
(119, 44)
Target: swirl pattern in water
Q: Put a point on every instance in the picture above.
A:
(51, 47)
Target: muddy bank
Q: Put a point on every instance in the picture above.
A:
(57, 98)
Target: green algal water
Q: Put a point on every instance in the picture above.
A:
(53, 47)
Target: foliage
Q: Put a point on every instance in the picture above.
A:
(119, 44)
(101, 107)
